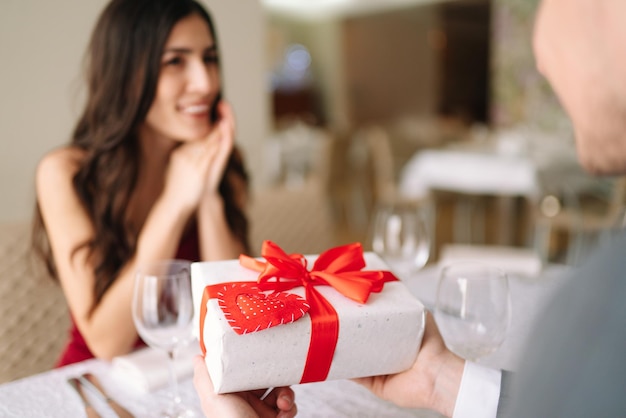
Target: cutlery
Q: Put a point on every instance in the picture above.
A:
(91, 412)
(90, 381)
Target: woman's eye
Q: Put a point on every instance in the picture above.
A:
(174, 61)
(210, 59)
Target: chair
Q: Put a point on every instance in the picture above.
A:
(360, 175)
(382, 165)
(34, 313)
(297, 219)
(570, 223)
(359, 171)
(338, 164)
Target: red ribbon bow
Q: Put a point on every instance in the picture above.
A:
(339, 267)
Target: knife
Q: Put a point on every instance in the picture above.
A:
(91, 412)
(91, 382)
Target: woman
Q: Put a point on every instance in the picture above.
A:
(150, 172)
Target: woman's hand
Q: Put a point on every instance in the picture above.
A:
(279, 403)
(226, 126)
(196, 167)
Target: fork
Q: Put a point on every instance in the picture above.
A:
(90, 381)
(89, 409)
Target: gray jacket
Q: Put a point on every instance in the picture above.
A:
(575, 364)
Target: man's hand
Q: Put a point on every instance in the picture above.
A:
(432, 382)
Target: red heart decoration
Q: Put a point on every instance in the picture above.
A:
(248, 309)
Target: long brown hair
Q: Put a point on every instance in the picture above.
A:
(123, 62)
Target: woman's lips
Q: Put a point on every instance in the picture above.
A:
(195, 110)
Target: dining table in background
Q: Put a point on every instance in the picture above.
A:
(472, 173)
(509, 164)
(49, 395)
(468, 172)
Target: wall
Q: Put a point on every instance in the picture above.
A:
(520, 95)
(390, 65)
(369, 67)
(241, 30)
(321, 38)
(42, 44)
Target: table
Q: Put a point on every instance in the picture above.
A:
(472, 173)
(468, 172)
(508, 166)
(48, 395)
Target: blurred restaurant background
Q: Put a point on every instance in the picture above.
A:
(343, 107)
(436, 102)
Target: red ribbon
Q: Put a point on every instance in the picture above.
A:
(339, 267)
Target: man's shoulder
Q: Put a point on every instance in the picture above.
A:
(575, 357)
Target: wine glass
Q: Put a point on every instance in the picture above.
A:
(401, 236)
(473, 308)
(162, 310)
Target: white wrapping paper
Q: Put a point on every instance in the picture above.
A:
(380, 337)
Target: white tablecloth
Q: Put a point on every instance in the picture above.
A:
(468, 172)
(48, 394)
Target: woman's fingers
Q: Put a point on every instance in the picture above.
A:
(282, 400)
(279, 403)
(227, 115)
(283, 397)
(223, 139)
(201, 164)
(285, 401)
(202, 382)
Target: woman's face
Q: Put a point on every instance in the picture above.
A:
(188, 83)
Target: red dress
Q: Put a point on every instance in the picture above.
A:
(76, 349)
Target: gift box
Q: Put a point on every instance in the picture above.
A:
(344, 317)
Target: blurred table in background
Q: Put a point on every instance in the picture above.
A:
(493, 189)
(488, 187)
(472, 176)
(468, 172)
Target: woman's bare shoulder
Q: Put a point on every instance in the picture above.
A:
(64, 214)
(56, 170)
(58, 164)
(62, 158)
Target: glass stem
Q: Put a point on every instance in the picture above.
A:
(173, 380)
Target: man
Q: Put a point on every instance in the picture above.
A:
(575, 365)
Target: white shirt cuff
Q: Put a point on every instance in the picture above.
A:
(479, 392)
